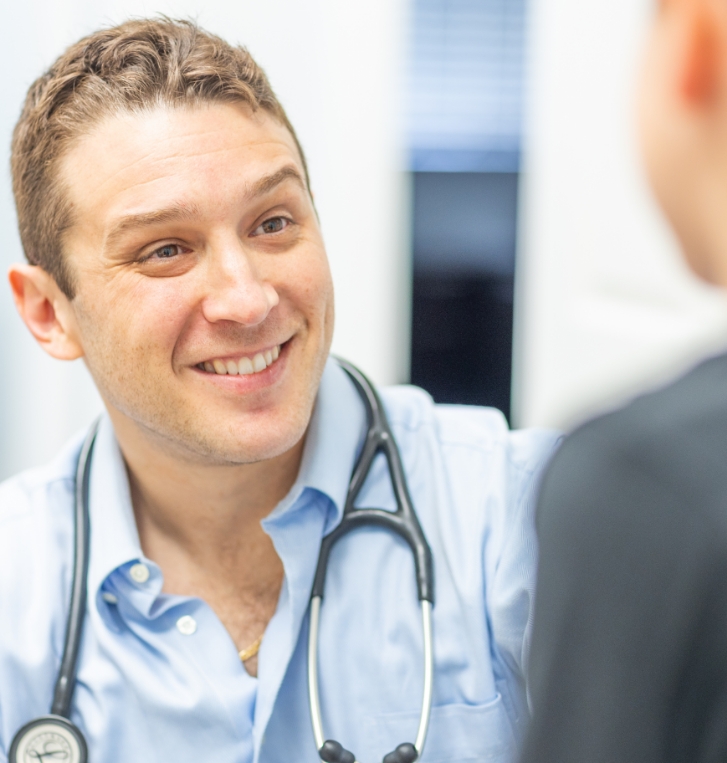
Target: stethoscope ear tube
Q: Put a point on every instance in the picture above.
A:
(404, 522)
(63, 693)
(54, 737)
(332, 751)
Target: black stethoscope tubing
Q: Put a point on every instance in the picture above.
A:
(57, 728)
(404, 522)
(66, 680)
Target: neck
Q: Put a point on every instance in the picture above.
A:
(201, 524)
(197, 519)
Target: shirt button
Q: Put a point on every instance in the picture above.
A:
(186, 625)
(139, 573)
(109, 598)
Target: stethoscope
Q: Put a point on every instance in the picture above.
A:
(54, 737)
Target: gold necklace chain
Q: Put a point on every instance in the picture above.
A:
(252, 650)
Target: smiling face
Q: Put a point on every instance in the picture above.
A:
(204, 301)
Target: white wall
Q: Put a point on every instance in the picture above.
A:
(337, 67)
(604, 305)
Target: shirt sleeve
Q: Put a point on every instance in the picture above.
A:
(4, 743)
(629, 657)
(511, 560)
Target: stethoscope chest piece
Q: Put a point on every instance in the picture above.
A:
(46, 739)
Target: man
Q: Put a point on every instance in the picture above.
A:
(629, 659)
(164, 206)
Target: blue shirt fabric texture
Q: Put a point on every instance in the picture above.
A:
(159, 678)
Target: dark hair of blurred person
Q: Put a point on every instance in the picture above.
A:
(629, 656)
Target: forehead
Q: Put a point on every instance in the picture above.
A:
(131, 162)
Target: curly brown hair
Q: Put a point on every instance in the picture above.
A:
(137, 65)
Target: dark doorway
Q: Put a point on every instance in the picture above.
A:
(464, 252)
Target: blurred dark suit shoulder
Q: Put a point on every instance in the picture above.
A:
(629, 654)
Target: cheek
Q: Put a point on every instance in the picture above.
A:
(651, 124)
(135, 319)
(311, 287)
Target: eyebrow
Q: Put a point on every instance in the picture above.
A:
(178, 212)
(269, 182)
(145, 219)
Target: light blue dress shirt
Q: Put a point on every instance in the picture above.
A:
(159, 678)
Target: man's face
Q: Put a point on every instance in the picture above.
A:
(196, 250)
(683, 123)
(661, 147)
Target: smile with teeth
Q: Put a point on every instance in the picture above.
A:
(242, 366)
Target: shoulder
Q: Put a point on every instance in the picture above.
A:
(460, 428)
(661, 458)
(473, 445)
(35, 523)
(633, 568)
(32, 489)
(36, 542)
(676, 435)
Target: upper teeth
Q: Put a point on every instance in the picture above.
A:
(243, 366)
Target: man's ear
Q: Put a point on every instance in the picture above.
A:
(46, 311)
(704, 51)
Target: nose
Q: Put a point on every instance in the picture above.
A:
(235, 289)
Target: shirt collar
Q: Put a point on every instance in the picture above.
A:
(334, 438)
(335, 435)
(114, 537)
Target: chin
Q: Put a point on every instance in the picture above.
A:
(701, 264)
(251, 453)
(252, 442)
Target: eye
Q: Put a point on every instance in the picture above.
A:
(166, 252)
(272, 225)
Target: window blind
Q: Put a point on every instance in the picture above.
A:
(465, 85)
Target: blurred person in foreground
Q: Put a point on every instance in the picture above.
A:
(629, 657)
(164, 204)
